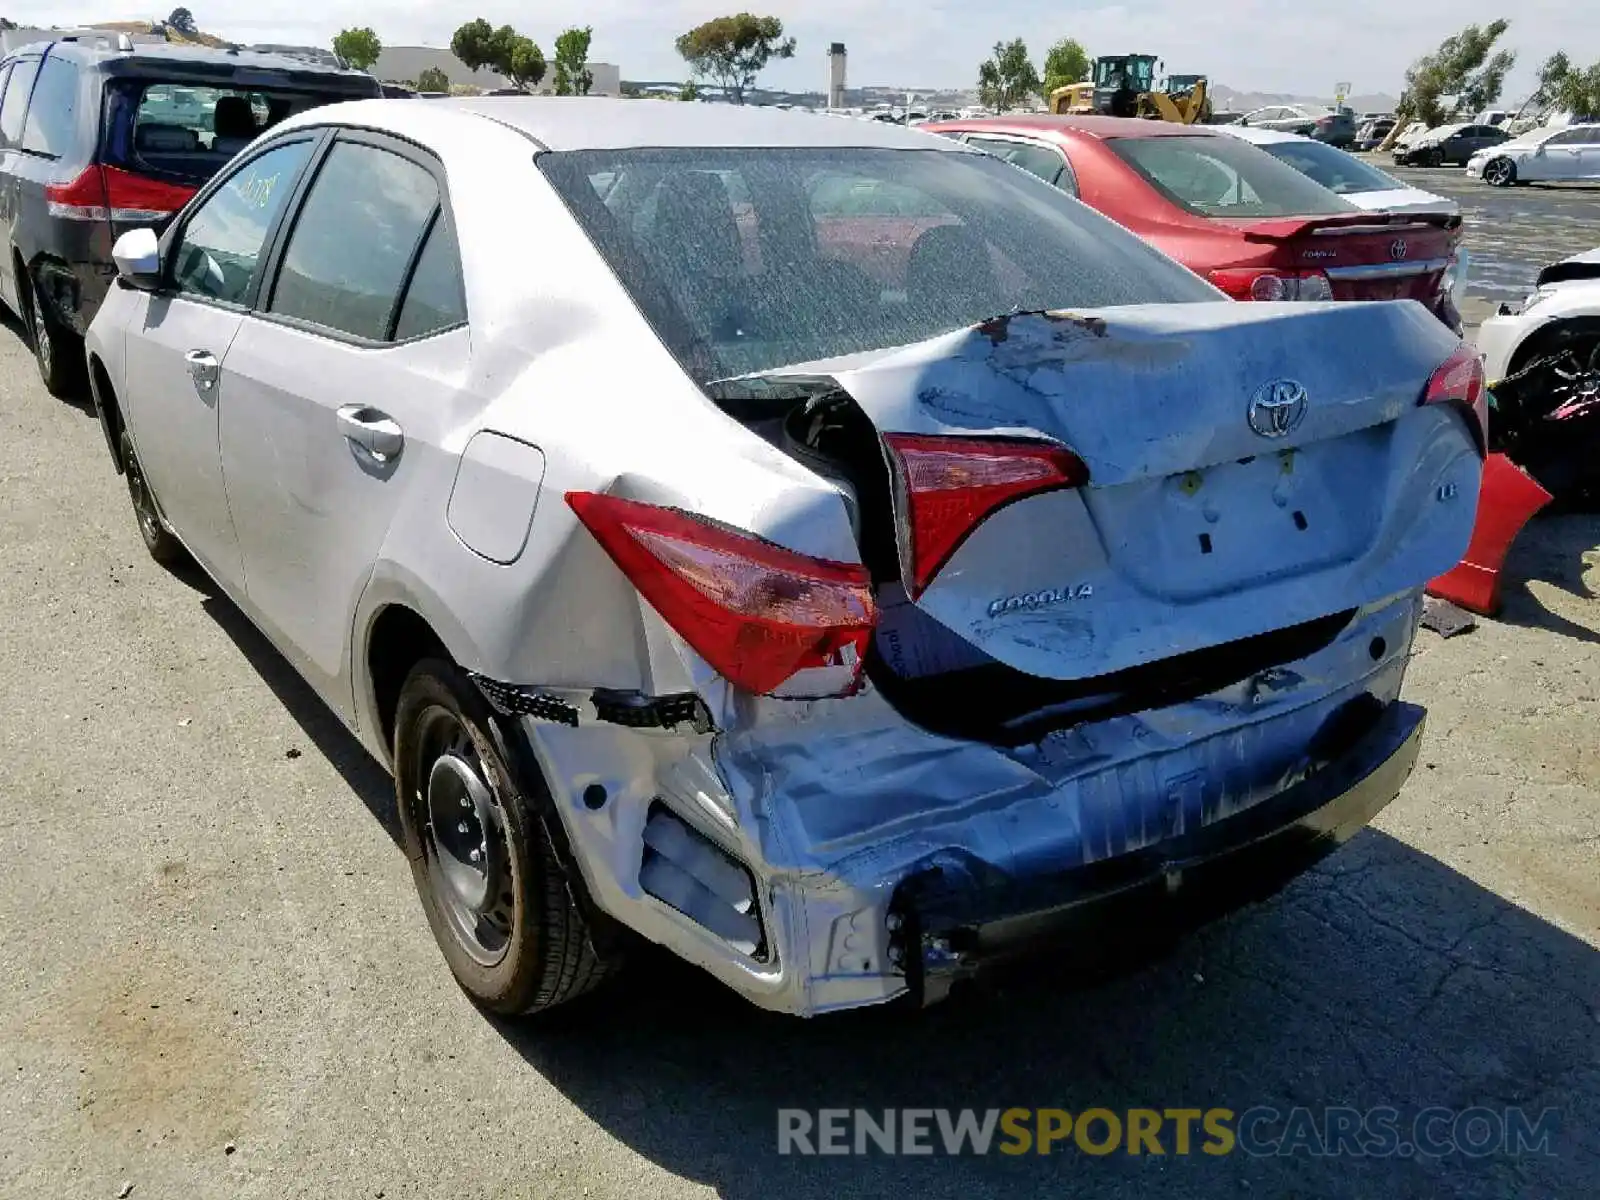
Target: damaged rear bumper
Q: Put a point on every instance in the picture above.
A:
(828, 855)
(951, 926)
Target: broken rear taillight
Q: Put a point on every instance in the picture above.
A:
(767, 619)
(947, 487)
(1460, 381)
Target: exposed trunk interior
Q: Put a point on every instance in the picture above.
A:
(937, 679)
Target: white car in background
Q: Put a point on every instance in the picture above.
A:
(1561, 154)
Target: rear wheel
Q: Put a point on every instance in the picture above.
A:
(1501, 172)
(57, 350)
(158, 539)
(1432, 158)
(485, 867)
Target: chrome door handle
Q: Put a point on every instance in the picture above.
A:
(202, 366)
(375, 432)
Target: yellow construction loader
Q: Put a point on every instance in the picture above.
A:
(1124, 86)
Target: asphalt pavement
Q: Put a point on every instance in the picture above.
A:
(215, 979)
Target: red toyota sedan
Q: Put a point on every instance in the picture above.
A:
(1254, 226)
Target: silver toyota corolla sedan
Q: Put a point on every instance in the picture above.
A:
(813, 546)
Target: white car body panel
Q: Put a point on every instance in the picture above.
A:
(833, 805)
(1501, 336)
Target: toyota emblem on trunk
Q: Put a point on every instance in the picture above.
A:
(1398, 249)
(1277, 407)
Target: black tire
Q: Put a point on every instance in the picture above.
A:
(57, 350)
(1500, 172)
(158, 539)
(530, 947)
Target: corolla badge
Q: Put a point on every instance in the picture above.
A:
(1277, 407)
(1041, 599)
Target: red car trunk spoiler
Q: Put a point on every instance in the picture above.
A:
(1284, 228)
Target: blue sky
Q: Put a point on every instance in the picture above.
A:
(1255, 45)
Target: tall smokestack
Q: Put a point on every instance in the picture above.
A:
(836, 75)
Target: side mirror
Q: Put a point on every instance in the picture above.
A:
(138, 258)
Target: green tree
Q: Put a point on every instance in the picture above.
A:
(1575, 90)
(358, 47)
(433, 79)
(1008, 78)
(1466, 65)
(573, 77)
(731, 51)
(183, 21)
(689, 92)
(1067, 62)
(479, 44)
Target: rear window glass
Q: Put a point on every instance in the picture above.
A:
(53, 112)
(191, 130)
(1220, 176)
(749, 259)
(1333, 169)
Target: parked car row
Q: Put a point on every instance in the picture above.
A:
(1336, 126)
(815, 547)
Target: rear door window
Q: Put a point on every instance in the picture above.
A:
(1049, 165)
(53, 113)
(434, 297)
(14, 105)
(355, 240)
(220, 248)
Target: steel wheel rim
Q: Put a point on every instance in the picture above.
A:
(144, 508)
(464, 842)
(41, 337)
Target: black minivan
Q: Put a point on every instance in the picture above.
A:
(98, 136)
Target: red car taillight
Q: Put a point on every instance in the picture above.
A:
(112, 194)
(949, 485)
(1460, 380)
(767, 619)
(1265, 283)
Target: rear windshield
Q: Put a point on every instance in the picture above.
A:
(1333, 169)
(749, 259)
(192, 131)
(1221, 176)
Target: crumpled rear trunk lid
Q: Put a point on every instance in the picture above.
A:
(1252, 467)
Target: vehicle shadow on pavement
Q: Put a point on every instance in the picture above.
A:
(333, 741)
(1562, 550)
(80, 399)
(1382, 978)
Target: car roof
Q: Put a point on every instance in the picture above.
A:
(1088, 126)
(592, 123)
(104, 50)
(1249, 133)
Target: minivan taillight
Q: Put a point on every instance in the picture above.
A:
(1460, 381)
(947, 486)
(767, 619)
(1265, 283)
(111, 194)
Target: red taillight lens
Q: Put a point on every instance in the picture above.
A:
(948, 486)
(1262, 283)
(770, 620)
(1460, 380)
(110, 193)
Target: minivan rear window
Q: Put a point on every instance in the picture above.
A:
(191, 130)
(1220, 176)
